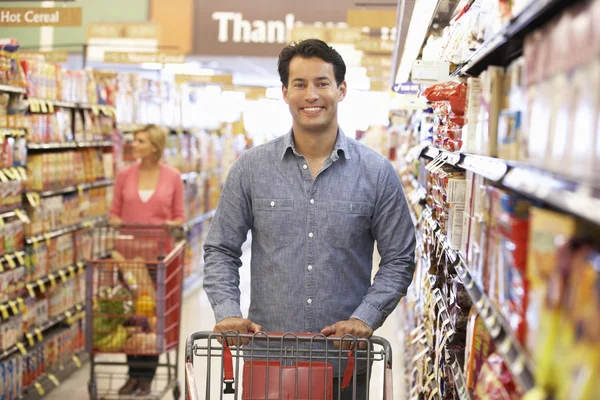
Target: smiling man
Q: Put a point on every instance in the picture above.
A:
(316, 202)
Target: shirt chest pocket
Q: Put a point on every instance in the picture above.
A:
(347, 222)
(273, 221)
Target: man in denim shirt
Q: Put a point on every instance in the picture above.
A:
(316, 202)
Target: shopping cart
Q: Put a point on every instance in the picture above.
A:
(286, 366)
(133, 306)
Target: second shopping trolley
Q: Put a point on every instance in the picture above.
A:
(133, 306)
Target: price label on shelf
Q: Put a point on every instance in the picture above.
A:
(63, 276)
(4, 311)
(79, 307)
(48, 239)
(21, 303)
(15, 174)
(39, 388)
(77, 361)
(13, 307)
(80, 267)
(43, 106)
(54, 380)
(3, 177)
(21, 348)
(22, 216)
(95, 110)
(41, 285)
(10, 260)
(69, 316)
(29, 337)
(34, 106)
(52, 280)
(30, 289)
(72, 271)
(1, 266)
(35, 242)
(50, 107)
(32, 199)
(20, 258)
(39, 335)
(9, 174)
(80, 189)
(23, 173)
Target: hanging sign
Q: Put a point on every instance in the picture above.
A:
(38, 16)
(121, 57)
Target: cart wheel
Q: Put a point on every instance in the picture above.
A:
(176, 392)
(93, 390)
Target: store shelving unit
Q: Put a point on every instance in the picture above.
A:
(506, 45)
(75, 188)
(12, 89)
(89, 223)
(566, 194)
(36, 335)
(47, 382)
(68, 145)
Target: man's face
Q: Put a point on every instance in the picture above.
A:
(313, 94)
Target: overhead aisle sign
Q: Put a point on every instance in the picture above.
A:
(38, 16)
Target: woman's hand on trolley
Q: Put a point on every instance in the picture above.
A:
(242, 326)
(354, 327)
(115, 221)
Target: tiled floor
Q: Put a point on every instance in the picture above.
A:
(197, 315)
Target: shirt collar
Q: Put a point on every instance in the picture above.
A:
(341, 143)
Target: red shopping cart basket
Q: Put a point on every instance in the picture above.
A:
(285, 366)
(133, 296)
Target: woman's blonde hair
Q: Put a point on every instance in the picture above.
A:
(157, 136)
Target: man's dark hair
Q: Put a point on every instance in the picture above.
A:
(311, 48)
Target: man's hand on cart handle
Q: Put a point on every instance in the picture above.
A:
(354, 327)
(242, 326)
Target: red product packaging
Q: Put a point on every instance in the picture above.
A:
(444, 91)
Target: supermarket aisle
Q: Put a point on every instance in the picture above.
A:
(198, 316)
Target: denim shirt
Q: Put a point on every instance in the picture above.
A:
(312, 240)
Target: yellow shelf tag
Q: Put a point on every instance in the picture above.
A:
(53, 380)
(39, 388)
(50, 106)
(27, 261)
(21, 303)
(44, 106)
(88, 224)
(4, 311)
(1, 267)
(16, 174)
(29, 337)
(41, 285)
(3, 176)
(80, 267)
(80, 191)
(48, 239)
(39, 335)
(78, 307)
(30, 289)
(1, 221)
(95, 110)
(21, 348)
(10, 260)
(63, 276)
(20, 258)
(35, 242)
(23, 173)
(13, 307)
(77, 361)
(72, 271)
(52, 280)
(9, 174)
(69, 317)
(32, 200)
(22, 216)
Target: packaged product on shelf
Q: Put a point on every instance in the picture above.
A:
(495, 381)
(548, 231)
(491, 102)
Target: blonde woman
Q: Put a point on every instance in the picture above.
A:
(148, 192)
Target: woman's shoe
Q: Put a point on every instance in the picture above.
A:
(144, 387)
(129, 387)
